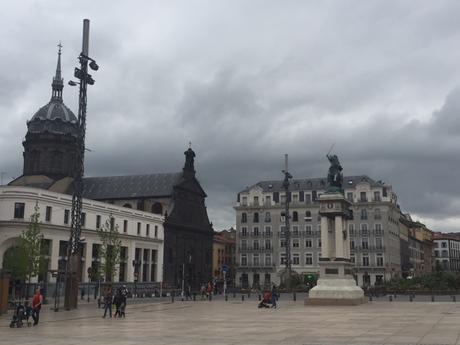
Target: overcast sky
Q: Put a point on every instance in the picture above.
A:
(246, 82)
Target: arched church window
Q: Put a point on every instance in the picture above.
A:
(157, 208)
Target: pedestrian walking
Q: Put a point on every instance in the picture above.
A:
(117, 300)
(108, 300)
(203, 291)
(37, 301)
(188, 293)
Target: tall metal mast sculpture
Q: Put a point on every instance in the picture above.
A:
(73, 267)
(287, 232)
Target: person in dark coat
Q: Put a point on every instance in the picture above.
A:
(108, 300)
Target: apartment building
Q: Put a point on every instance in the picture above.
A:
(446, 252)
(261, 241)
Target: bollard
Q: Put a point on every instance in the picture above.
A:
(390, 298)
(370, 298)
(210, 297)
(294, 296)
(395, 296)
(242, 298)
(226, 298)
(234, 294)
(172, 297)
(194, 296)
(249, 294)
(432, 298)
(410, 298)
(260, 297)
(454, 298)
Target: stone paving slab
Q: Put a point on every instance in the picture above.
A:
(220, 322)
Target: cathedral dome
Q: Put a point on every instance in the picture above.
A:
(55, 109)
(54, 117)
(52, 139)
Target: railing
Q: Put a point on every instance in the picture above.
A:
(252, 249)
(371, 248)
(260, 265)
(304, 234)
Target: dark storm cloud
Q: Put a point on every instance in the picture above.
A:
(246, 82)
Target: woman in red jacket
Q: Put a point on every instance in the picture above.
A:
(37, 301)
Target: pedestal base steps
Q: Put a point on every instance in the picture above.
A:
(341, 291)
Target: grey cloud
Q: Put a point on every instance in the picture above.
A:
(247, 82)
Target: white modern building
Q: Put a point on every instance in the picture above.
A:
(260, 237)
(141, 233)
(446, 252)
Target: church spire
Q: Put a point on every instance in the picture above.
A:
(58, 82)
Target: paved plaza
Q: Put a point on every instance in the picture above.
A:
(236, 322)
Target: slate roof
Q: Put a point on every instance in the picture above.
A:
(55, 109)
(317, 183)
(131, 186)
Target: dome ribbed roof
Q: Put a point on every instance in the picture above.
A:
(55, 109)
(54, 117)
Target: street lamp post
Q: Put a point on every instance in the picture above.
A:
(74, 256)
(287, 177)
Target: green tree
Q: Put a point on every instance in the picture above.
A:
(30, 244)
(110, 248)
(26, 260)
(14, 263)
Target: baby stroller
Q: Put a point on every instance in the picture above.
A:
(21, 315)
(266, 301)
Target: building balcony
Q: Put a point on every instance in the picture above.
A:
(255, 250)
(252, 266)
(371, 248)
(300, 234)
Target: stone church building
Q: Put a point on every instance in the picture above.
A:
(50, 148)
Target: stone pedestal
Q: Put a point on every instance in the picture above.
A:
(336, 285)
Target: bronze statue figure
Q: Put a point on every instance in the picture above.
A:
(334, 176)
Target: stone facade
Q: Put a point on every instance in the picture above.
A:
(50, 149)
(142, 251)
(373, 231)
(446, 252)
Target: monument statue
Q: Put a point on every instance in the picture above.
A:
(336, 285)
(189, 159)
(334, 176)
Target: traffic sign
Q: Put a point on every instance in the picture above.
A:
(224, 268)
